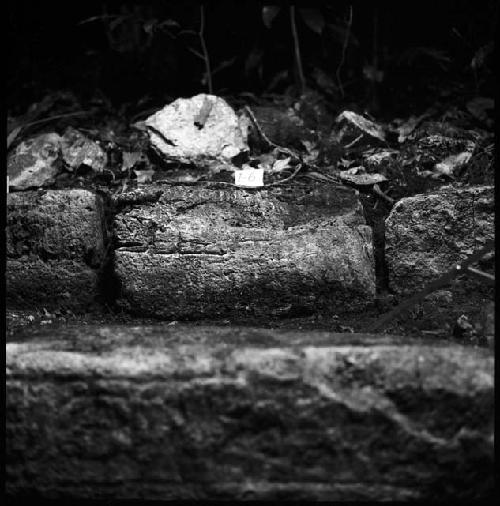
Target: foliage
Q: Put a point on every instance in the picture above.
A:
(243, 46)
(312, 18)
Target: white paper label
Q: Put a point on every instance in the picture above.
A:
(249, 177)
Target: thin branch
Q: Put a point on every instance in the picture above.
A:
(375, 62)
(456, 270)
(204, 49)
(286, 179)
(14, 133)
(263, 136)
(376, 189)
(344, 48)
(298, 59)
(225, 183)
(375, 40)
(482, 276)
(196, 53)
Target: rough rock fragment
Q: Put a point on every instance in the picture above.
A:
(77, 150)
(426, 234)
(178, 134)
(433, 142)
(34, 162)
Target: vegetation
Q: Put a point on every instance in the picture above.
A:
(151, 51)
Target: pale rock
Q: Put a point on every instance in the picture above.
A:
(34, 162)
(77, 150)
(175, 134)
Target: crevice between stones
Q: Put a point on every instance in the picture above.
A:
(109, 286)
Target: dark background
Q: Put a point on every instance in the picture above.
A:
(422, 47)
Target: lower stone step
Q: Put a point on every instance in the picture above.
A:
(176, 412)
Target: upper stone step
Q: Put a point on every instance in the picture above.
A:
(55, 248)
(185, 252)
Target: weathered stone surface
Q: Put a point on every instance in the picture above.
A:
(427, 234)
(55, 245)
(77, 149)
(185, 252)
(211, 413)
(187, 138)
(34, 162)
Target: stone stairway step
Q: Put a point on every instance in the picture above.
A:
(173, 412)
(185, 252)
(55, 248)
(189, 252)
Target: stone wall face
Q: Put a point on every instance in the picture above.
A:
(179, 412)
(188, 252)
(427, 234)
(227, 413)
(185, 252)
(55, 248)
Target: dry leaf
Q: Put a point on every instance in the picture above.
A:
(130, 159)
(406, 128)
(362, 179)
(344, 163)
(451, 163)
(354, 170)
(144, 176)
(280, 165)
(13, 135)
(264, 161)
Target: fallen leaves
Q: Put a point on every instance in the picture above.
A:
(144, 176)
(131, 159)
(447, 167)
